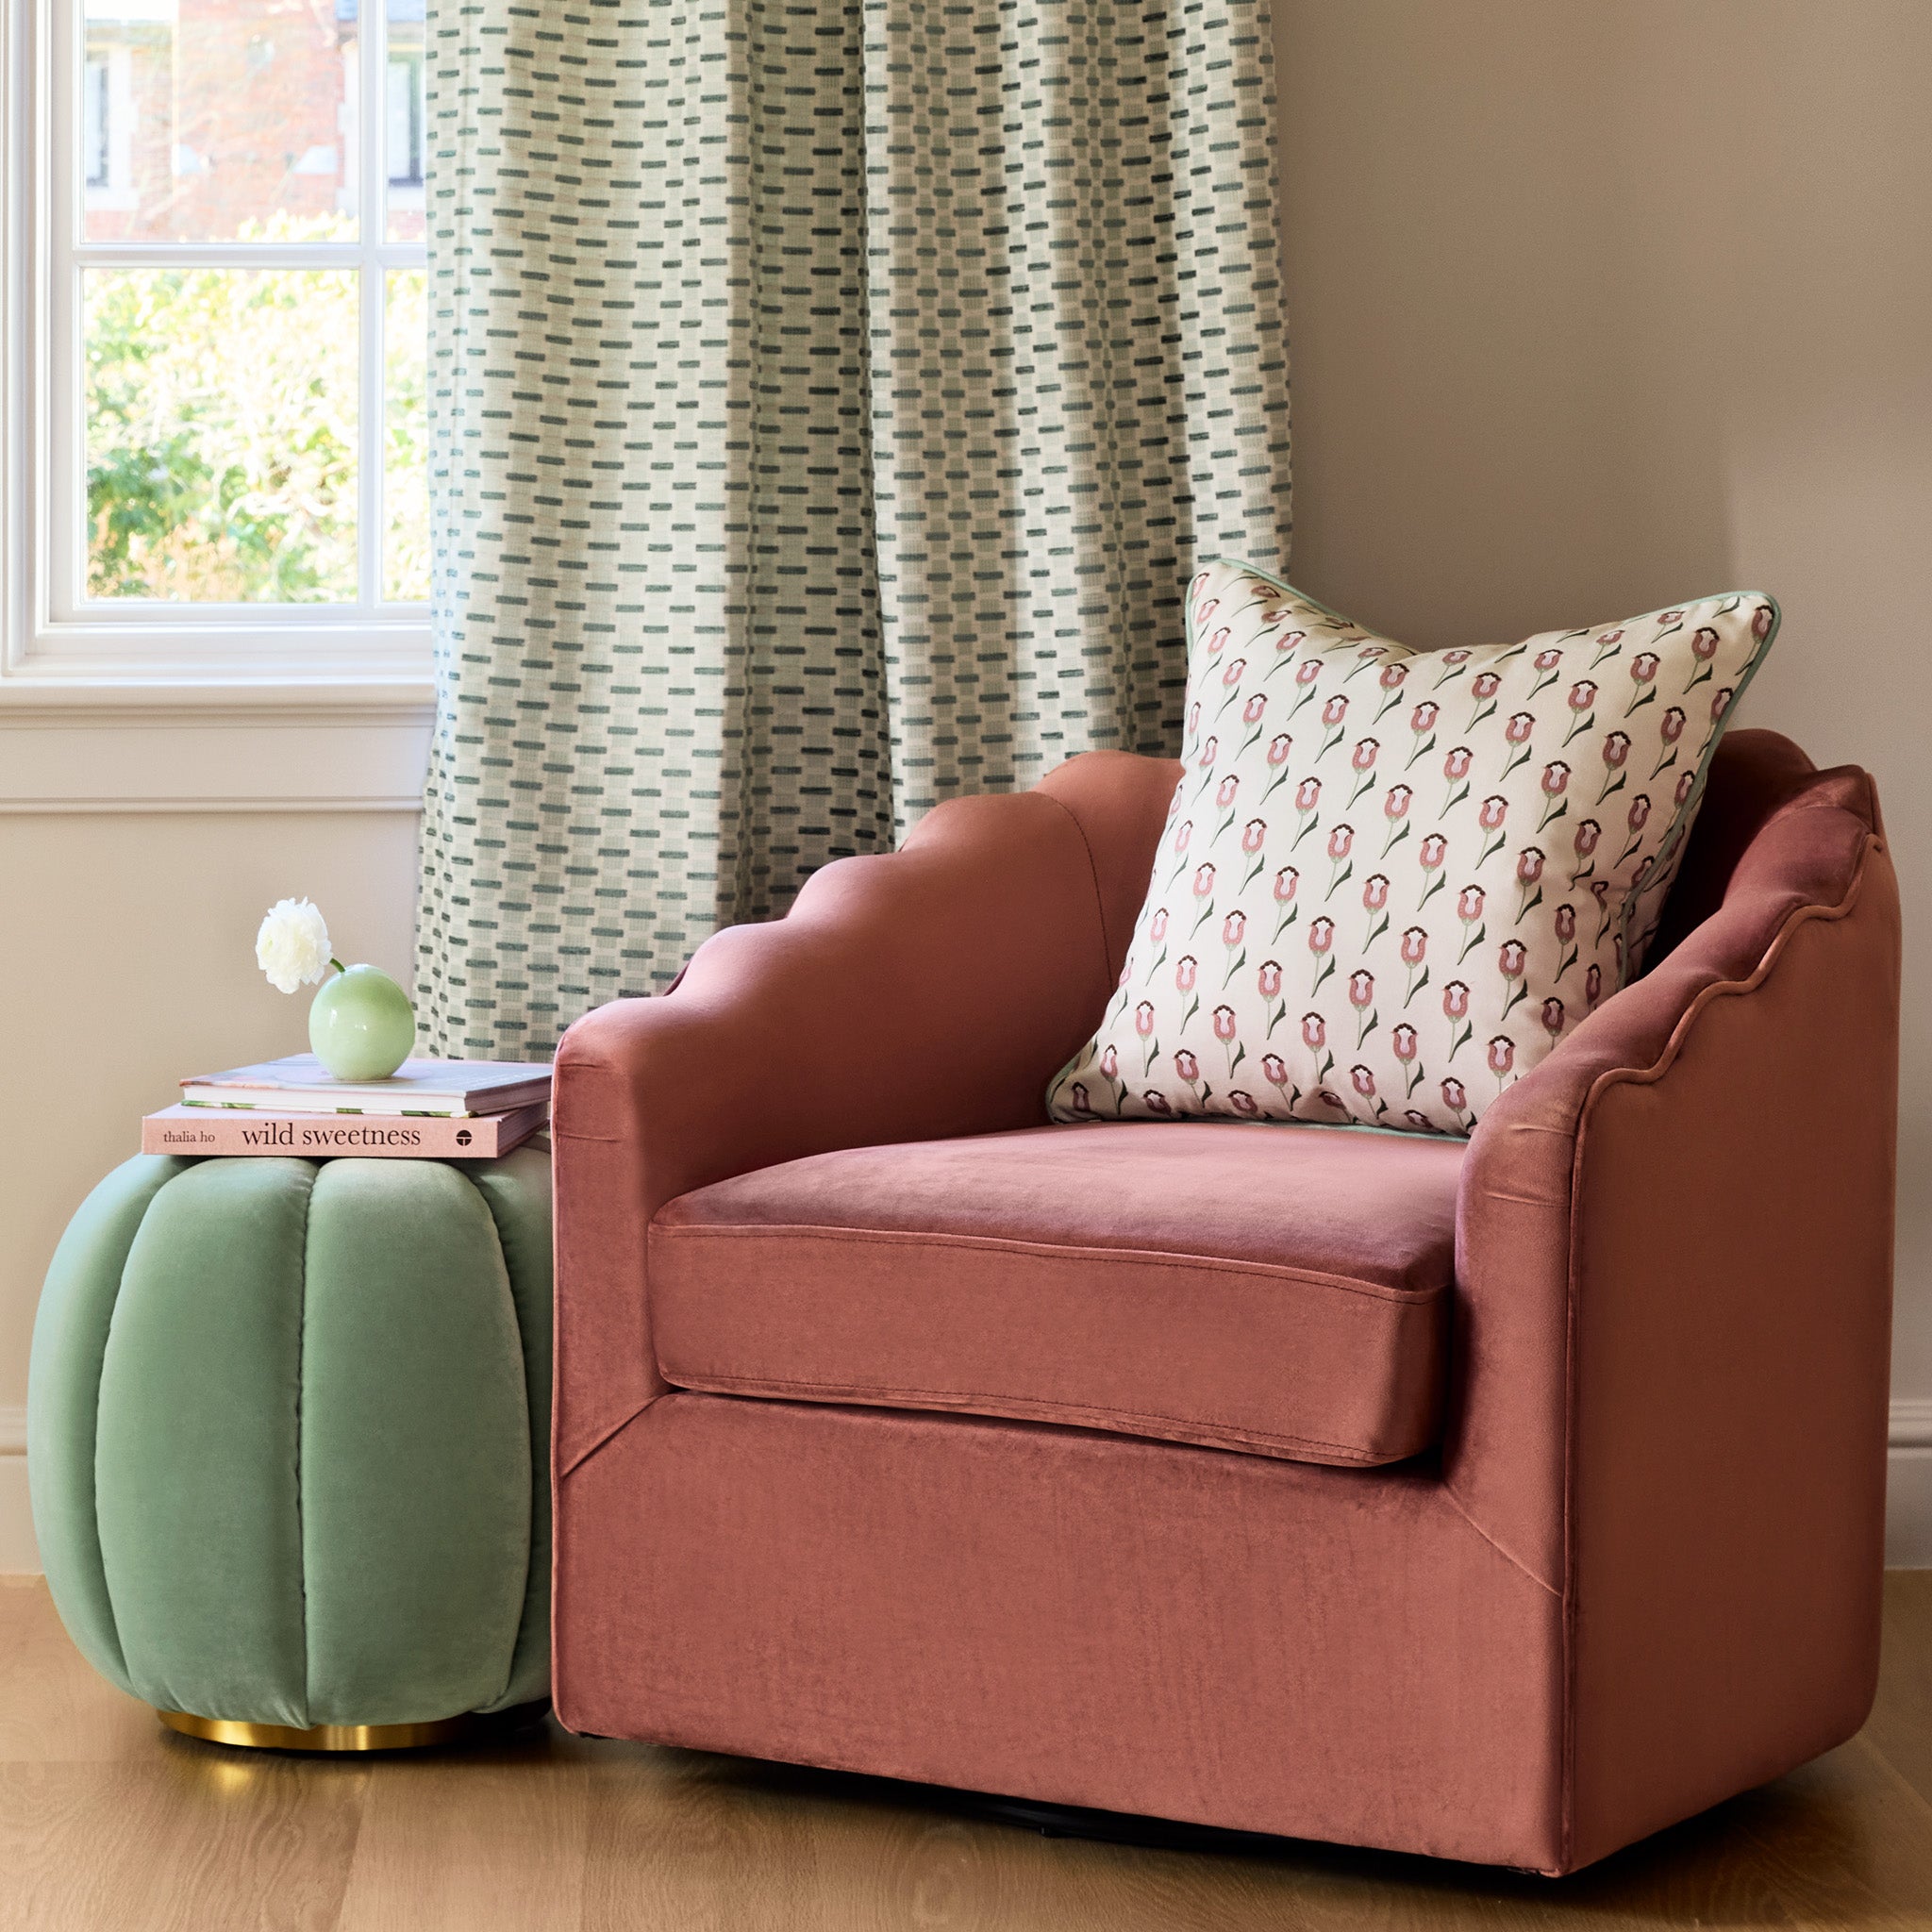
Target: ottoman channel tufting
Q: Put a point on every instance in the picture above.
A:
(288, 1433)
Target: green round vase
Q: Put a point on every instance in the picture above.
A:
(288, 1430)
(362, 1025)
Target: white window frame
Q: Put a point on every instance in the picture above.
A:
(54, 640)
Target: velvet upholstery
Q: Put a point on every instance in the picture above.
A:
(814, 1032)
(1071, 1617)
(71, 1325)
(280, 1424)
(1640, 1574)
(1675, 1265)
(1287, 1294)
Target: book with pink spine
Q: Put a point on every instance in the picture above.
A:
(203, 1131)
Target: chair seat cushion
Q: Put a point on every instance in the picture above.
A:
(1280, 1291)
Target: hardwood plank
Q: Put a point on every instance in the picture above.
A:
(1901, 1722)
(678, 1841)
(203, 1844)
(489, 1837)
(106, 1820)
(54, 1707)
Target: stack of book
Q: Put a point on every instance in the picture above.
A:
(425, 1111)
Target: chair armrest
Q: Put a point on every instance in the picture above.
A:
(1674, 1258)
(917, 995)
(1771, 1029)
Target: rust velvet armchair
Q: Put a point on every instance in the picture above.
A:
(1503, 1499)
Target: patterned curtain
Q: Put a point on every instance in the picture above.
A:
(828, 404)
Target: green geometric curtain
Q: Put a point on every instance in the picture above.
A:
(829, 402)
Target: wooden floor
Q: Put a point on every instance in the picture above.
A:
(107, 1821)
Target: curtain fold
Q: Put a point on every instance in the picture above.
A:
(828, 404)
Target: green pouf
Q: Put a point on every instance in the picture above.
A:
(288, 1432)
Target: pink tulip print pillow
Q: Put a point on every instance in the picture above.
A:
(1392, 880)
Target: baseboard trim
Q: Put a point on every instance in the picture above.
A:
(1911, 1423)
(20, 1554)
(1907, 1497)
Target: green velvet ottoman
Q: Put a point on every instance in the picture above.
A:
(288, 1433)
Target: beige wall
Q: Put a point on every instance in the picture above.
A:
(1599, 304)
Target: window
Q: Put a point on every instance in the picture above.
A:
(94, 125)
(227, 372)
(404, 119)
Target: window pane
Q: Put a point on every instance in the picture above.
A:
(405, 431)
(221, 434)
(404, 119)
(219, 121)
(95, 82)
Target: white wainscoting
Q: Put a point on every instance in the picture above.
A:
(1908, 1492)
(18, 1552)
(233, 756)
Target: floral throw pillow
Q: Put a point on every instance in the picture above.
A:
(1392, 880)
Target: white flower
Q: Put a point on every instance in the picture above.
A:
(293, 946)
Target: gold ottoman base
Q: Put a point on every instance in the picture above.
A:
(467, 1728)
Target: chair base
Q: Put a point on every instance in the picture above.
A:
(1165, 1835)
(1115, 1827)
(469, 1727)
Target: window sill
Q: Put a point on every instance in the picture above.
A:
(222, 667)
(165, 698)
